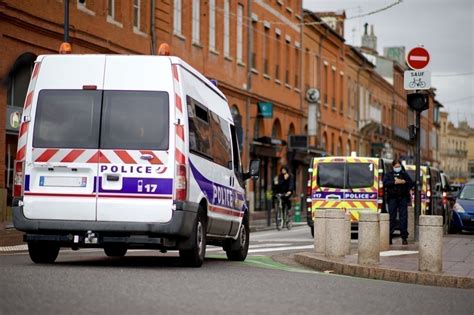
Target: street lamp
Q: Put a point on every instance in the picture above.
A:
(65, 47)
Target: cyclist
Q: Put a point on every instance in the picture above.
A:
(285, 187)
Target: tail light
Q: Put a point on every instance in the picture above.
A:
(428, 194)
(180, 184)
(445, 198)
(18, 179)
(380, 196)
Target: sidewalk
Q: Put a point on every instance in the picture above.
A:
(400, 264)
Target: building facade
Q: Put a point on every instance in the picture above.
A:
(454, 142)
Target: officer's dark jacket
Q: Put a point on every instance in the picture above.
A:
(397, 191)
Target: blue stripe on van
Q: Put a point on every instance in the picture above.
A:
(217, 194)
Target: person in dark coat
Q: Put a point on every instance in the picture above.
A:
(285, 186)
(398, 185)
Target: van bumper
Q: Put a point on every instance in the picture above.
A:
(180, 225)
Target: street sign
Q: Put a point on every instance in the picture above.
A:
(417, 80)
(418, 58)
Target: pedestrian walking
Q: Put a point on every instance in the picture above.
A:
(398, 184)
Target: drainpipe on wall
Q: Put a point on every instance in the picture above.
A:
(153, 30)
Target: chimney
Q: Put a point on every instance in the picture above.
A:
(369, 42)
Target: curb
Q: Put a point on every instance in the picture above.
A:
(321, 263)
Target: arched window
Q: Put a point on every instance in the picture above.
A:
(324, 142)
(276, 129)
(348, 147)
(339, 147)
(19, 78)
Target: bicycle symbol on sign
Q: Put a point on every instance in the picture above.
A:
(417, 83)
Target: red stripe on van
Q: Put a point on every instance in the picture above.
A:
(179, 104)
(98, 157)
(23, 129)
(180, 131)
(20, 154)
(180, 158)
(154, 160)
(125, 157)
(175, 72)
(225, 211)
(28, 100)
(72, 156)
(47, 155)
(36, 70)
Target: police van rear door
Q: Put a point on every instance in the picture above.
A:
(63, 139)
(135, 180)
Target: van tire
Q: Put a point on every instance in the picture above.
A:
(115, 251)
(43, 252)
(237, 249)
(194, 257)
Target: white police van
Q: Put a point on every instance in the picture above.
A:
(121, 152)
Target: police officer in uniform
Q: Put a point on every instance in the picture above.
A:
(398, 184)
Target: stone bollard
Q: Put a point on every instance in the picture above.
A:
(335, 236)
(431, 243)
(347, 227)
(411, 224)
(369, 238)
(320, 231)
(384, 231)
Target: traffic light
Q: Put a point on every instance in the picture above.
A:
(418, 101)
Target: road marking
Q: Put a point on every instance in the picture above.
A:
(16, 248)
(391, 253)
(216, 249)
(264, 250)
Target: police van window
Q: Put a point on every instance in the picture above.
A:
(199, 129)
(67, 119)
(235, 151)
(135, 120)
(331, 175)
(360, 175)
(221, 142)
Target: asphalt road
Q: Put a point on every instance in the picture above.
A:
(146, 282)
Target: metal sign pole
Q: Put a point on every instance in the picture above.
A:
(417, 174)
(66, 21)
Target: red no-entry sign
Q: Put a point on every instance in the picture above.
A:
(418, 58)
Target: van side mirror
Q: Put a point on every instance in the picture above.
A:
(254, 170)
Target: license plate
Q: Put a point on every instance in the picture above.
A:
(62, 181)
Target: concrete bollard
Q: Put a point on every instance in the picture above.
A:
(347, 227)
(411, 224)
(431, 243)
(384, 231)
(320, 231)
(335, 236)
(369, 238)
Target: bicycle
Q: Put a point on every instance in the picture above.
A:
(282, 213)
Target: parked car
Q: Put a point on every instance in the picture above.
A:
(462, 214)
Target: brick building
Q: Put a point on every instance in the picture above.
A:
(213, 36)
(327, 68)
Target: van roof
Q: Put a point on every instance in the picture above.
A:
(174, 60)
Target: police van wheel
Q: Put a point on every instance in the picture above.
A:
(115, 251)
(237, 250)
(194, 257)
(43, 252)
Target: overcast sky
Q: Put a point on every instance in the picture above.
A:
(444, 27)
